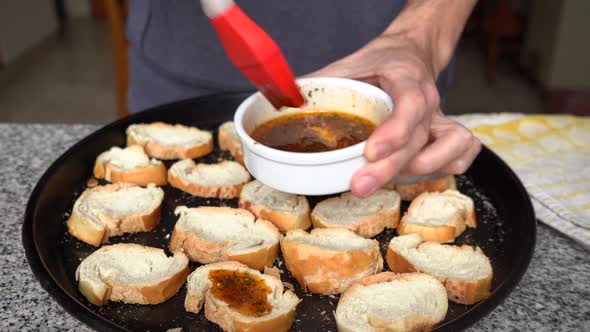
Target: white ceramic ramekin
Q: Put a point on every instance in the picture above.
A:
(318, 173)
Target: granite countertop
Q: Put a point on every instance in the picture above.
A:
(554, 295)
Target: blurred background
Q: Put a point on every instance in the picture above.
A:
(64, 61)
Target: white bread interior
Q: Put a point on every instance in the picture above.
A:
(229, 140)
(392, 302)
(283, 302)
(465, 270)
(166, 141)
(286, 211)
(329, 260)
(114, 209)
(439, 217)
(127, 159)
(224, 179)
(131, 273)
(364, 216)
(131, 165)
(214, 234)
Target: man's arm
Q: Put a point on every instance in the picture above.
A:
(405, 61)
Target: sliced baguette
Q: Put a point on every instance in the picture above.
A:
(165, 141)
(131, 165)
(464, 270)
(215, 234)
(228, 140)
(131, 273)
(410, 191)
(199, 293)
(222, 180)
(392, 302)
(111, 210)
(329, 260)
(366, 217)
(285, 211)
(439, 217)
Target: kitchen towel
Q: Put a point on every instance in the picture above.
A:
(551, 156)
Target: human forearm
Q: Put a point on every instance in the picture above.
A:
(434, 26)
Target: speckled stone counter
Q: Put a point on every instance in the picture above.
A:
(554, 295)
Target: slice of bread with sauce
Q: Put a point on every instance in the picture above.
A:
(238, 298)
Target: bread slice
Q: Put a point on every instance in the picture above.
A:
(439, 217)
(213, 234)
(366, 217)
(222, 180)
(114, 209)
(329, 260)
(131, 165)
(411, 190)
(165, 141)
(286, 211)
(392, 302)
(202, 291)
(228, 140)
(131, 273)
(464, 270)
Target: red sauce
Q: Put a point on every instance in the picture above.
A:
(313, 132)
(242, 291)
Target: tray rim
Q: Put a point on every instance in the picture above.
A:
(90, 318)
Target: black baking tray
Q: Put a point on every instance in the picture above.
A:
(506, 230)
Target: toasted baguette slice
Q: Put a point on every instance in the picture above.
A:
(222, 180)
(214, 234)
(229, 141)
(131, 165)
(285, 211)
(392, 302)
(465, 271)
(200, 292)
(439, 217)
(165, 141)
(329, 260)
(115, 209)
(131, 273)
(410, 191)
(366, 217)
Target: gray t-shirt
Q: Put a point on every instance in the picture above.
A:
(175, 54)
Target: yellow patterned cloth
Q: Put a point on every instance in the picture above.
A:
(551, 155)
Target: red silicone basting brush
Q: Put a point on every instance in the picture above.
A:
(254, 53)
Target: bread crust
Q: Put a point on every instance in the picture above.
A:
(410, 191)
(203, 251)
(367, 227)
(89, 232)
(407, 324)
(220, 313)
(328, 271)
(284, 222)
(227, 143)
(428, 233)
(154, 173)
(147, 293)
(458, 290)
(227, 192)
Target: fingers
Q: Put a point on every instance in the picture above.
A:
(374, 175)
(450, 148)
(461, 164)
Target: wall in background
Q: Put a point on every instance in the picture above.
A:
(23, 25)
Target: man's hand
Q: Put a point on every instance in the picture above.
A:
(404, 61)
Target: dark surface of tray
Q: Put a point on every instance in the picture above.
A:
(505, 232)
